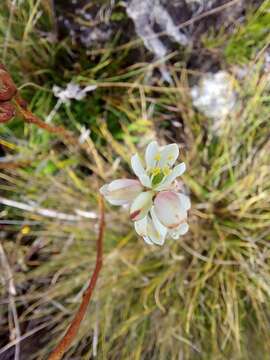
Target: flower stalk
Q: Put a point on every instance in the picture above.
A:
(73, 329)
(12, 104)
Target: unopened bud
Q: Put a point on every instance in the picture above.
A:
(7, 111)
(7, 87)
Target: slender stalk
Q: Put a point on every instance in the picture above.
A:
(33, 119)
(9, 96)
(73, 329)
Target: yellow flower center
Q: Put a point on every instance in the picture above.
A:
(158, 170)
(155, 171)
(158, 173)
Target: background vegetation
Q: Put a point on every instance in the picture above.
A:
(206, 296)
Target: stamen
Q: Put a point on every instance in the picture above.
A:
(166, 170)
(155, 171)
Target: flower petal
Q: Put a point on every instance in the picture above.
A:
(152, 231)
(181, 230)
(147, 240)
(139, 170)
(150, 155)
(141, 205)
(121, 191)
(168, 155)
(185, 201)
(169, 210)
(155, 233)
(159, 235)
(178, 170)
(141, 227)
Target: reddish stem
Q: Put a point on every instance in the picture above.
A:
(72, 331)
(8, 91)
(33, 119)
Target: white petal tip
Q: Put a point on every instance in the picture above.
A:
(147, 240)
(180, 231)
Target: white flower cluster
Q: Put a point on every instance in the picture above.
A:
(156, 207)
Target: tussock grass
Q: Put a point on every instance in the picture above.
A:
(203, 297)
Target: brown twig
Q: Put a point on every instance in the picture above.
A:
(72, 331)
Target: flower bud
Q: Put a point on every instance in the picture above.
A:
(7, 87)
(7, 111)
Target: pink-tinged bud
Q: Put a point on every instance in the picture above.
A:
(171, 208)
(121, 191)
(7, 111)
(7, 87)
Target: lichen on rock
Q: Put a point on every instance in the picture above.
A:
(147, 15)
(214, 96)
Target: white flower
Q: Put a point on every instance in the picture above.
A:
(156, 207)
(72, 91)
